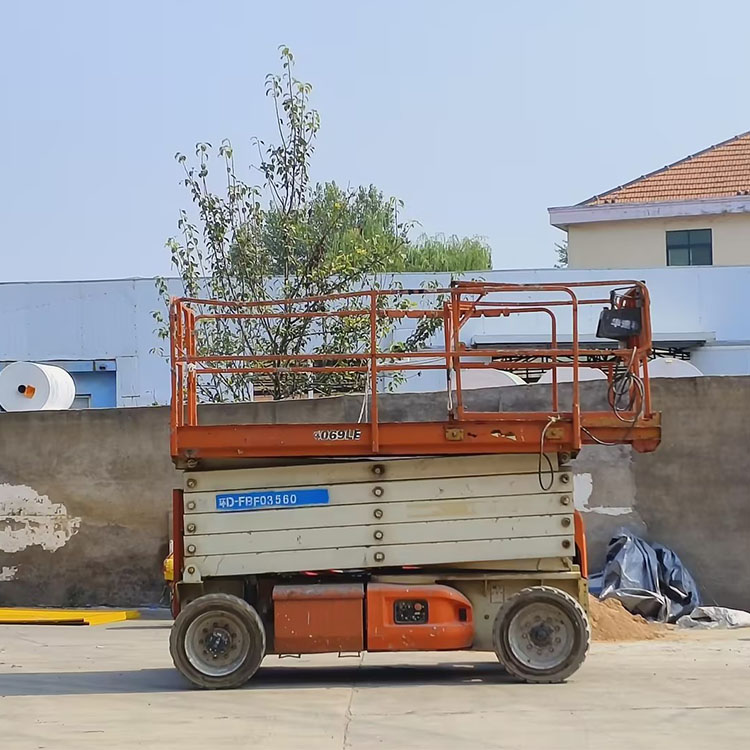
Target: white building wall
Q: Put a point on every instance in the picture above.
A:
(91, 320)
(87, 320)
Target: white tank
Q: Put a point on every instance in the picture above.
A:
(27, 386)
(671, 367)
(565, 375)
(489, 378)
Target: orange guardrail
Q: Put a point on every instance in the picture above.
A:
(561, 427)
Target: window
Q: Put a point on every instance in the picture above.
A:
(689, 247)
(82, 401)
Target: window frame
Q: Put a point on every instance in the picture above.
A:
(76, 405)
(690, 246)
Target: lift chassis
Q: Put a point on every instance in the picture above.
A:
(436, 553)
(386, 536)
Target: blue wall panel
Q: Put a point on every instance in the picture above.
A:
(101, 386)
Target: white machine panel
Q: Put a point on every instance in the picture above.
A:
(334, 516)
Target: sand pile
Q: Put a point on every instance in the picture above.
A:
(610, 621)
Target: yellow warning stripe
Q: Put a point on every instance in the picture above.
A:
(11, 616)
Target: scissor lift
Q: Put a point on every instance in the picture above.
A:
(406, 535)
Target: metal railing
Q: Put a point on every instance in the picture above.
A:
(377, 312)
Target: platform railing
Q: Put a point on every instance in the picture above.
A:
(452, 308)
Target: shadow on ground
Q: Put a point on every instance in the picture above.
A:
(289, 678)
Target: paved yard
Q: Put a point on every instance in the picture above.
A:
(114, 687)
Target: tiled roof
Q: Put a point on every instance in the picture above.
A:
(720, 171)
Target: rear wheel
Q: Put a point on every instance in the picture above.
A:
(541, 634)
(218, 641)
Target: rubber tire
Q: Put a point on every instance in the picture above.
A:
(219, 603)
(548, 595)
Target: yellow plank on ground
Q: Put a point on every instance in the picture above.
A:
(15, 616)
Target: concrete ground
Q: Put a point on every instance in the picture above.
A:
(114, 687)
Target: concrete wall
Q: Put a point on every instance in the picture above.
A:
(642, 243)
(85, 496)
(84, 502)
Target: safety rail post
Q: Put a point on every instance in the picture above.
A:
(646, 388)
(374, 371)
(447, 330)
(190, 350)
(555, 389)
(576, 384)
(456, 349)
(173, 405)
(648, 337)
(179, 366)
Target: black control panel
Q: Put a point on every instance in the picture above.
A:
(620, 323)
(410, 611)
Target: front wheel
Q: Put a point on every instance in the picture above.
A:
(218, 641)
(541, 634)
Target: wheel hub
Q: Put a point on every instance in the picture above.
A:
(217, 643)
(541, 636)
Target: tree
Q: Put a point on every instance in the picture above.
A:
(441, 253)
(561, 249)
(285, 238)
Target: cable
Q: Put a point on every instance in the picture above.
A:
(544, 457)
(631, 379)
(363, 410)
(368, 384)
(449, 373)
(623, 384)
(626, 383)
(596, 439)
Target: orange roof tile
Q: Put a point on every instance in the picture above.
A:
(720, 171)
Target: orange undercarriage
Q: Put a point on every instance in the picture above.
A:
(346, 617)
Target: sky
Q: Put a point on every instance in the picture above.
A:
(478, 115)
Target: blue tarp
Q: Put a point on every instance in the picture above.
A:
(649, 579)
